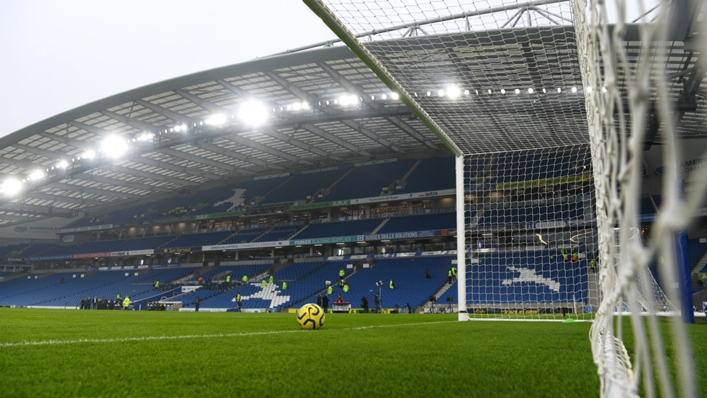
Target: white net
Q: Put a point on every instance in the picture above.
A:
(511, 84)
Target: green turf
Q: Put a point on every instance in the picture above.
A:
(266, 355)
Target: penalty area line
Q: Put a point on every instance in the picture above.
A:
(200, 336)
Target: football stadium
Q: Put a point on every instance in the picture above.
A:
(454, 198)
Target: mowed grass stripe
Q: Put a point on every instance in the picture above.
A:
(208, 336)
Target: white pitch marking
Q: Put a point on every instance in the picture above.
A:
(200, 336)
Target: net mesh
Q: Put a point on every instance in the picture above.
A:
(506, 83)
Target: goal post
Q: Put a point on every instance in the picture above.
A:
(549, 106)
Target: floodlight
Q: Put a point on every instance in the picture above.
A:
(384, 96)
(296, 106)
(114, 146)
(253, 113)
(454, 92)
(574, 89)
(517, 91)
(216, 120)
(503, 91)
(11, 187)
(63, 164)
(36, 175)
(559, 90)
(530, 90)
(305, 105)
(184, 129)
(466, 92)
(589, 89)
(440, 93)
(90, 154)
(394, 96)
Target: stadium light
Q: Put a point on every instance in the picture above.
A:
(530, 90)
(429, 93)
(589, 89)
(394, 96)
(503, 91)
(114, 146)
(466, 92)
(63, 164)
(559, 90)
(253, 113)
(36, 175)
(384, 96)
(90, 154)
(11, 187)
(217, 120)
(454, 92)
(517, 91)
(574, 89)
(296, 106)
(440, 93)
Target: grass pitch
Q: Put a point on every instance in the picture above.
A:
(168, 354)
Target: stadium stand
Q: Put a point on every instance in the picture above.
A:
(431, 175)
(411, 286)
(514, 215)
(7, 250)
(36, 249)
(420, 223)
(302, 185)
(343, 228)
(557, 280)
(143, 243)
(235, 197)
(189, 240)
(367, 181)
(278, 233)
(244, 236)
(93, 247)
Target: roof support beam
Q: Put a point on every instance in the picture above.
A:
(19, 207)
(178, 169)
(264, 148)
(132, 122)
(358, 91)
(216, 149)
(94, 191)
(370, 134)
(43, 152)
(115, 181)
(293, 141)
(208, 162)
(176, 116)
(65, 199)
(8, 217)
(211, 107)
(67, 141)
(332, 138)
(146, 174)
(91, 129)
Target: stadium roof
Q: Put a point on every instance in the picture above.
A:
(324, 107)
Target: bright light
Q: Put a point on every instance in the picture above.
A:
(253, 113)
(373, 97)
(603, 89)
(394, 96)
(305, 105)
(454, 92)
(503, 91)
(440, 93)
(530, 90)
(63, 164)
(176, 129)
(517, 91)
(184, 129)
(36, 175)
(429, 93)
(574, 89)
(11, 187)
(296, 106)
(589, 89)
(114, 146)
(384, 96)
(492, 91)
(559, 90)
(348, 100)
(544, 91)
(466, 92)
(90, 154)
(217, 120)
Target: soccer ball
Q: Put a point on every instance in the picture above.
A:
(311, 316)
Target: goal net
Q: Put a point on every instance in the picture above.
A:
(548, 105)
